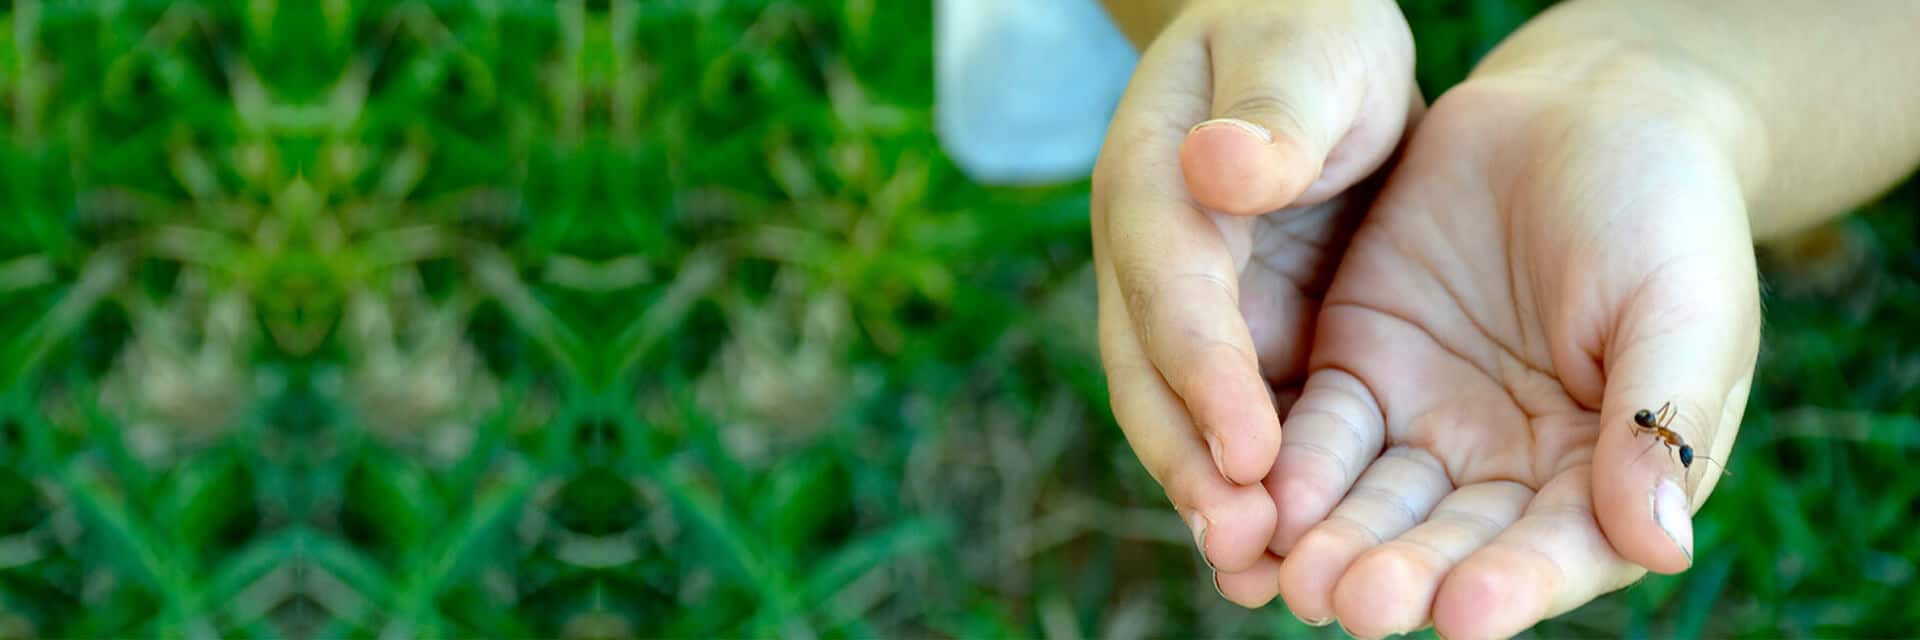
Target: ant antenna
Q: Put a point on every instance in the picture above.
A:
(1723, 468)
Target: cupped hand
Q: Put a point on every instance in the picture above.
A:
(1219, 205)
(1541, 265)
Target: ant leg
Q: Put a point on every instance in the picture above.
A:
(1643, 452)
(1723, 468)
(1666, 415)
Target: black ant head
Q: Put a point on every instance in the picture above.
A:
(1643, 418)
(1686, 456)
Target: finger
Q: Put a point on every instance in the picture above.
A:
(1289, 92)
(1176, 272)
(1390, 589)
(1395, 494)
(1333, 431)
(1231, 523)
(1552, 559)
(1254, 587)
(1689, 337)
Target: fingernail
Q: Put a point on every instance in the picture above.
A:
(1216, 586)
(1219, 462)
(1256, 130)
(1670, 510)
(1313, 622)
(1198, 523)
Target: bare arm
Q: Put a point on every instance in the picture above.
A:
(1141, 20)
(1817, 103)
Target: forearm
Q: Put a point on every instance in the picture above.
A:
(1817, 102)
(1141, 20)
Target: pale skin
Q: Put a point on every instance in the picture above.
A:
(1423, 417)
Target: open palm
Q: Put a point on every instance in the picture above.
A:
(1531, 276)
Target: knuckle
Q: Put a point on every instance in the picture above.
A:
(1347, 428)
(1386, 503)
(1322, 451)
(1339, 526)
(1240, 353)
(1475, 524)
(1280, 114)
(1164, 306)
(1212, 280)
(1138, 289)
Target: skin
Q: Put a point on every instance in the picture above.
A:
(1188, 356)
(1532, 273)
(1566, 240)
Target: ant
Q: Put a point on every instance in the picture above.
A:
(1645, 421)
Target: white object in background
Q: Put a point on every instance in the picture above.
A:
(1024, 88)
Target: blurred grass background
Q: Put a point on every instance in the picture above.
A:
(669, 318)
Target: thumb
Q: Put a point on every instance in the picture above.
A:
(1683, 353)
(1311, 109)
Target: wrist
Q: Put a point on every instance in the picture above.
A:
(1626, 83)
(1639, 74)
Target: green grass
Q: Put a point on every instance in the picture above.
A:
(668, 318)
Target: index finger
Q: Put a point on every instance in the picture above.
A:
(1174, 267)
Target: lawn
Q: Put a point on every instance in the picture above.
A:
(656, 318)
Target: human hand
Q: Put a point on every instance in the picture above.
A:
(1547, 259)
(1210, 268)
